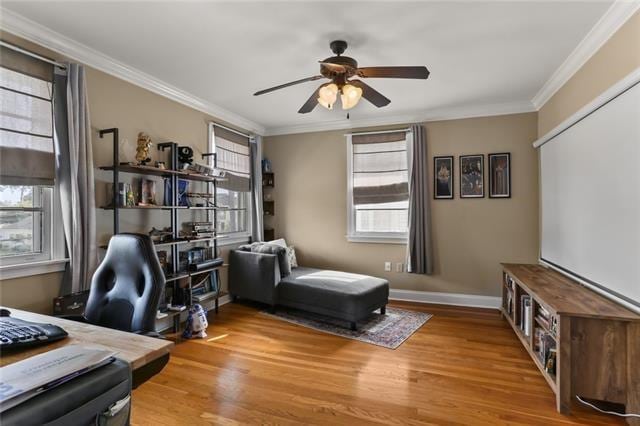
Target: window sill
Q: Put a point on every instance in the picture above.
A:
(377, 239)
(34, 268)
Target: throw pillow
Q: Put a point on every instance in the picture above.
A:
(280, 252)
(291, 253)
(279, 242)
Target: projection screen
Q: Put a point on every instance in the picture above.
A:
(590, 198)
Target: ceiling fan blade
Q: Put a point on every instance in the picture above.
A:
(312, 101)
(393, 72)
(282, 86)
(334, 67)
(370, 94)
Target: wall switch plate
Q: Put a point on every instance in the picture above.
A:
(399, 267)
(387, 266)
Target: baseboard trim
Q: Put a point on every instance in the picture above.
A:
(223, 300)
(455, 299)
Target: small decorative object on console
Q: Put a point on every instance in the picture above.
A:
(142, 151)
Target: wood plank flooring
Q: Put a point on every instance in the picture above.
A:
(464, 366)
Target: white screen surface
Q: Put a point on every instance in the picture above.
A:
(590, 195)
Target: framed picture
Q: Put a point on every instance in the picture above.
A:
(443, 178)
(472, 176)
(500, 175)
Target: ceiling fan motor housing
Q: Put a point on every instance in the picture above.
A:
(338, 46)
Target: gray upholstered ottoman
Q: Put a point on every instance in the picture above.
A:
(351, 297)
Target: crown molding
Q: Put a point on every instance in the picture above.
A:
(32, 31)
(441, 114)
(619, 13)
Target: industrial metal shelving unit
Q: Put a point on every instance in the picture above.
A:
(174, 175)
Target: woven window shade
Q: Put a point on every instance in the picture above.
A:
(233, 157)
(380, 168)
(26, 120)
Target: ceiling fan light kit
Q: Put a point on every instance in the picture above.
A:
(350, 96)
(339, 69)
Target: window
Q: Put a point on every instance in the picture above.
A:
(27, 191)
(234, 193)
(378, 196)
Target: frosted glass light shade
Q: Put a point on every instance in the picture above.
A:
(350, 96)
(327, 95)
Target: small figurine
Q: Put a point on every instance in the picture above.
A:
(131, 199)
(160, 165)
(185, 156)
(142, 151)
(196, 323)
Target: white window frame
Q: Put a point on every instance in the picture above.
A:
(354, 236)
(52, 257)
(232, 238)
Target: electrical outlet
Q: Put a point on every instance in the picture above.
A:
(387, 266)
(399, 267)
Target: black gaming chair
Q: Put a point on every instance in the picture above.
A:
(125, 294)
(126, 287)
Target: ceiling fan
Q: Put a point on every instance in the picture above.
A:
(340, 69)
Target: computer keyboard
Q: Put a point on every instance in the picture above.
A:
(17, 333)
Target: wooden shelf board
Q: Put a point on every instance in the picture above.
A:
(146, 208)
(154, 171)
(185, 241)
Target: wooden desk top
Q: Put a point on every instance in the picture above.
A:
(137, 350)
(566, 296)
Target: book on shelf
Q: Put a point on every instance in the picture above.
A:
(543, 321)
(525, 314)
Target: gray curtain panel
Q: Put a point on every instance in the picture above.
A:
(419, 250)
(74, 176)
(257, 225)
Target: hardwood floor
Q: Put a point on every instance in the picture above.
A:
(464, 366)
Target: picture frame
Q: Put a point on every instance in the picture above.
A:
(499, 165)
(443, 180)
(471, 169)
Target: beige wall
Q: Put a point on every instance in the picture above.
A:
(618, 57)
(471, 236)
(115, 103)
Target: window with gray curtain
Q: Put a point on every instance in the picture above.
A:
(379, 190)
(27, 162)
(233, 156)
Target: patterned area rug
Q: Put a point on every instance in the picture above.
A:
(389, 330)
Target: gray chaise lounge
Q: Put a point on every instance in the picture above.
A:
(350, 297)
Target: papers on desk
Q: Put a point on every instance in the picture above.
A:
(25, 379)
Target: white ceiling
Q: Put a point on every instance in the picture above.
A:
(479, 53)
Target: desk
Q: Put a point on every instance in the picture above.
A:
(139, 351)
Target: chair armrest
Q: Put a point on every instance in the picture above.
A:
(254, 276)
